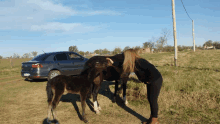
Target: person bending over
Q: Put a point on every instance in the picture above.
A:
(148, 74)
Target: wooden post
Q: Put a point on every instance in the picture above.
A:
(174, 33)
(194, 48)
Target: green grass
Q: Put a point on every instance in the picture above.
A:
(190, 93)
(7, 64)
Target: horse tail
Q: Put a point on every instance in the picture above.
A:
(130, 56)
(49, 92)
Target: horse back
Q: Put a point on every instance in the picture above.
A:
(58, 82)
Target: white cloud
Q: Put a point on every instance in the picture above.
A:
(23, 14)
(38, 15)
(35, 8)
(67, 28)
(55, 26)
(100, 13)
(49, 6)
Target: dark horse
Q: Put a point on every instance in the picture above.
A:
(125, 59)
(72, 84)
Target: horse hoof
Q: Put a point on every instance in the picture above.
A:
(97, 112)
(126, 102)
(48, 120)
(99, 108)
(85, 121)
(54, 121)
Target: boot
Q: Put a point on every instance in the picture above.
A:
(151, 120)
(154, 121)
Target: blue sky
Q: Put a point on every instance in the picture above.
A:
(54, 25)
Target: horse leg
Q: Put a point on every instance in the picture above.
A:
(99, 106)
(83, 104)
(90, 91)
(50, 97)
(115, 93)
(95, 102)
(49, 112)
(124, 80)
(124, 93)
(121, 87)
(58, 94)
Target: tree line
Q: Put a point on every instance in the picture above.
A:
(25, 55)
(209, 43)
(154, 43)
(158, 44)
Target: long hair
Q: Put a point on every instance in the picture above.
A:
(130, 56)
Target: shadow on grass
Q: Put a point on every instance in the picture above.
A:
(35, 80)
(45, 121)
(52, 122)
(105, 91)
(73, 98)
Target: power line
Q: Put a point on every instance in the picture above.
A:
(185, 10)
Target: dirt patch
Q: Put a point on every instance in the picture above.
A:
(10, 82)
(13, 69)
(10, 77)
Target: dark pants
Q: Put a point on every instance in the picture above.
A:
(153, 90)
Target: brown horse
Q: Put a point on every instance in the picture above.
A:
(72, 84)
(121, 73)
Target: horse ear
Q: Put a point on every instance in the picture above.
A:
(110, 60)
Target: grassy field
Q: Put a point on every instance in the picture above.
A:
(190, 94)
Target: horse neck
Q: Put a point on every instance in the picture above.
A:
(118, 57)
(95, 73)
(84, 75)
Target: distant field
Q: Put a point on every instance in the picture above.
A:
(5, 63)
(190, 94)
(10, 68)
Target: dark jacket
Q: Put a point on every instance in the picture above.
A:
(145, 71)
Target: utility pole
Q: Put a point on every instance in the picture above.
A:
(174, 33)
(194, 48)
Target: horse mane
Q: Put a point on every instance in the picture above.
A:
(85, 71)
(130, 56)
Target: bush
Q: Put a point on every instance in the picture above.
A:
(216, 44)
